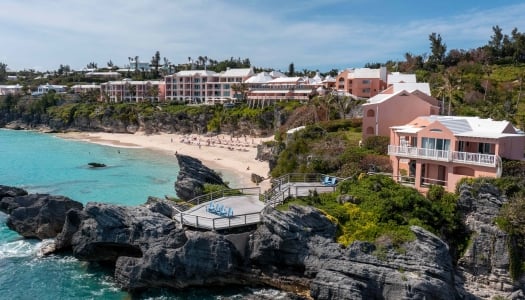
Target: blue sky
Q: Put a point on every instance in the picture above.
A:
(321, 34)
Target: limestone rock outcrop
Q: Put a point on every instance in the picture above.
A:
(39, 216)
(192, 177)
(300, 243)
(484, 266)
(294, 250)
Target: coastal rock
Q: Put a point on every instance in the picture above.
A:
(205, 259)
(299, 245)
(420, 269)
(7, 195)
(96, 165)
(484, 266)
(106, 232)
(148, 250)
(161, 206)
(39, 216)
(192, 177)
(256, 178)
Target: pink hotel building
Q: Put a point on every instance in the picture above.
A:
(202, 86)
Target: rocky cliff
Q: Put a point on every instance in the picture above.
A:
(39, 216)
(484, 267)
(192, 177)
(292, 250)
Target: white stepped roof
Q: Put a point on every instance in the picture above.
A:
(237, 72)
(262, 77)
(396, 77)
(411, 86)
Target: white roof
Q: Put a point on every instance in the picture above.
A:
(329, 78)
(363, 73)
(262, 77)
(202, 73)
(411, 86)
(103, 74)
(86, 86)
(276, 74)
(473, 126)
(286, 80)
(316, 79)
(11, 86)
(237, 72)
(396, 77)
(379, 98)
(290, 131)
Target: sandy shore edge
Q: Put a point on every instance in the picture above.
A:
(223, 153)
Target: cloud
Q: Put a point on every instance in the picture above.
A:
(314, 34)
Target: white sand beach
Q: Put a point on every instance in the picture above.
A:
(222, 153)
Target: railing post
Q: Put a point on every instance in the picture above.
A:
(197, 221)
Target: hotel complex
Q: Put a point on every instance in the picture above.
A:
(425, 148)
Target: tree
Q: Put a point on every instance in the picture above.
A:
(91, 65)
(291, 70)
(495, 43)
(110, 64)
(240, 90)
(63, 69)
(3, 71)
(438, 50)
(155, 62)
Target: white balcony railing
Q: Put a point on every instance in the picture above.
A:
(479, 159)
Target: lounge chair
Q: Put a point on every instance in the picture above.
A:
(333, 181)
(218, 208)
(211, 207)
(326, 180)
(230, 212)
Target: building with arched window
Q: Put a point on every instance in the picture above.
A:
(396, 106)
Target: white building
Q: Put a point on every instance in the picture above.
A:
(44, 88)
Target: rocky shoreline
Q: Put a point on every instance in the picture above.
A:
(293, 251)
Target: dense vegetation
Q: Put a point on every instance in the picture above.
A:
(331, 148)
(374, 208)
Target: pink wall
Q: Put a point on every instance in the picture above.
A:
(396, 111)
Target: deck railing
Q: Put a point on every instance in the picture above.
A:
(281, 189)
(480, 159)
(225, 193)
(218, 222)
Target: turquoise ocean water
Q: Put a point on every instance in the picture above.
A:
(42, 163)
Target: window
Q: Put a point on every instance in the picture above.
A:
(436, 144)
(366, 81)
(484, 148)
(370, 113)
(366, 91)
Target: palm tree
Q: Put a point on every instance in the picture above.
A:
(239, 89)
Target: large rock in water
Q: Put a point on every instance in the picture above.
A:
(39, 216)
(147, 249)
(192, 177)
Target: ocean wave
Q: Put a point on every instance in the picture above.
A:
(19, 248)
